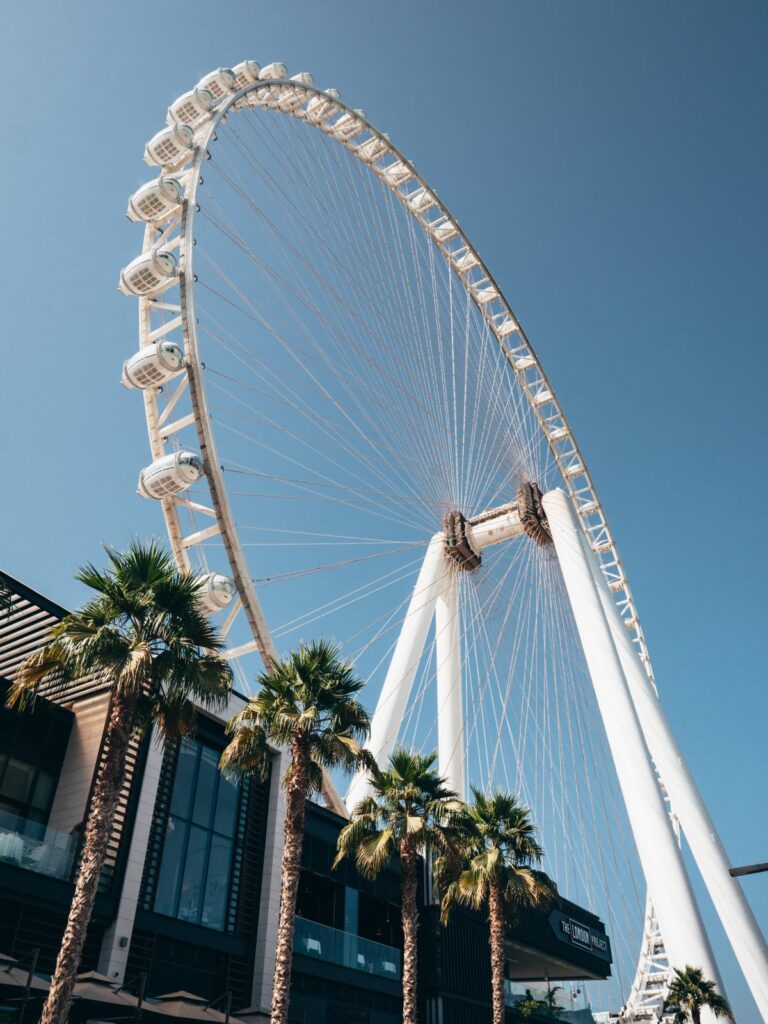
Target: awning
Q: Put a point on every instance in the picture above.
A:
(186, 1006)
(95, 996)
(12, 976)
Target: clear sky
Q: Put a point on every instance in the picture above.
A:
(609, 161)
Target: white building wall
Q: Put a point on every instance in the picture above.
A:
(117, 939)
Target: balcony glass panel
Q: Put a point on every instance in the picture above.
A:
(336, 947)
(569, 999)
(45, 851)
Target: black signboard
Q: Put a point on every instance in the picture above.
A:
(582, 936)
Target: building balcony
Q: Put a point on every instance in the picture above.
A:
(346, 950)
(47, 853)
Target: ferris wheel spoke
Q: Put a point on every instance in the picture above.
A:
(381, 340)
(399, 291)
(355, 400)
(365, 459)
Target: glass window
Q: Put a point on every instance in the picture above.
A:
(195, 870)
(190, 898)
(205, 788)
(170, 870)
(226, 807)
(41, 797)
(185, 777)
(217, 883)
(17, 780)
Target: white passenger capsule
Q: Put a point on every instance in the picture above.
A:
(153, 365)
(170, 475)
(275, 70)
(218, 83)
(216, 592)
(246, 73)
(190, 107)
(150, 273)
(156, 200)
(170, 147)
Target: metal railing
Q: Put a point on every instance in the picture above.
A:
(50, 855)
(346, 950)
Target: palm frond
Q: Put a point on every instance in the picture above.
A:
(247, 753)
(143, 632)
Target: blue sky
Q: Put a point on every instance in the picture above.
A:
(608, 160)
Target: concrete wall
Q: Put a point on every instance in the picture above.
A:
(79, 765)
(269, 908)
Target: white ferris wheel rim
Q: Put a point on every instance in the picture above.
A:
(497, 314)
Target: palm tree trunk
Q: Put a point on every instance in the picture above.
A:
(497, 922)
(696, 1015)
(296, 798)
(410, 918)
(106, 794)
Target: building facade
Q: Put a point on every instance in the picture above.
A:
(189, 892)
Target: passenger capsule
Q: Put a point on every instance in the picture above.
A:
(156, 200)
(170, 475)
(153, 365)
(150, 273)
(218, 83)
(190, 107)
(170, 147)
(216, 592)
(246, 73)
(275, 70)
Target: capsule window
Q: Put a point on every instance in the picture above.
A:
(188, 111)
(151, 206)
(148, 375)
(145, 279)
(168, 150)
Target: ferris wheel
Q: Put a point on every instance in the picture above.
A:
(351, 436)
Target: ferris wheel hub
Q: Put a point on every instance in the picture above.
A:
(464, 540)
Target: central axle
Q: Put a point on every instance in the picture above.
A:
(465, 539)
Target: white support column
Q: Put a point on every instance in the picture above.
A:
(115, 946)
(269, 902)
(670, 890)
(735, 913)
(392, 702)
(450, 710)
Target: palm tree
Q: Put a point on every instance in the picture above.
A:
(499, 850)
(144, 632)
(307, 703)
(549, 1002)
(410, 810)
(689, 992)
